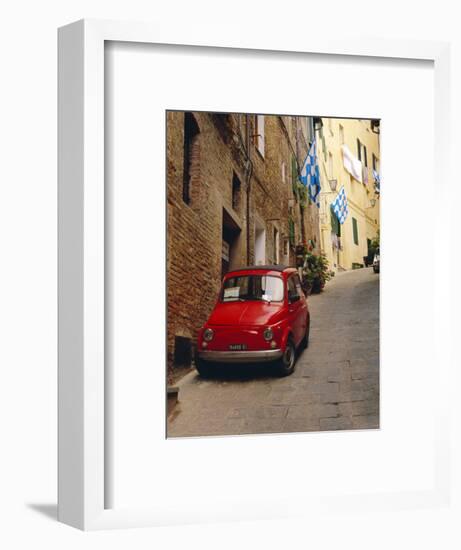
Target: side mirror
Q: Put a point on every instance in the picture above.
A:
(293, 298)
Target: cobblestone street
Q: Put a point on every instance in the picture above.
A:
(335, 385)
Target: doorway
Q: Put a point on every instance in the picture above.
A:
(276, 246)
(230, 246)
(260, 243)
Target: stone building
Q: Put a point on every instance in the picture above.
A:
(233, 199)
(349, 157)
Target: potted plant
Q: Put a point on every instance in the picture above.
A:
(315, 272)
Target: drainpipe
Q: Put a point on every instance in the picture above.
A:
(301, 208)
(249, 171)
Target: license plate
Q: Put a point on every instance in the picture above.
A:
(237, 347)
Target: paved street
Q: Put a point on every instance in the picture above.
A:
(335, 385)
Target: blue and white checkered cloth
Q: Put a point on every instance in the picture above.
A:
(377, 181)
(339, 206)
(310, 175)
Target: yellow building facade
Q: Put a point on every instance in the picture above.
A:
(348, 154)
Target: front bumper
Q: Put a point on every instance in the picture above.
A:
(240, 356)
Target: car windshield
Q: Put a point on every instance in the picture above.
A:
(252, 287)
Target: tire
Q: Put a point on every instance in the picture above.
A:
(305, 341)
(376, 269)
(286, 364)
(204, 368)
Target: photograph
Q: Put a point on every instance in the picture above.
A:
(272, 272)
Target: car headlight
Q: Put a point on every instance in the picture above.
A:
(268, 334)
(208, 335)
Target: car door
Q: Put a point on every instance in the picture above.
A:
(295, 308)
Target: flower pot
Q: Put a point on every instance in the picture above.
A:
(317, 285)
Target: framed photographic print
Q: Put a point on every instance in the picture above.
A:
(265, 250)
(234, 325)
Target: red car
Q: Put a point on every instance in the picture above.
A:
(261, 315)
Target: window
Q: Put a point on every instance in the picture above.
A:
(355, 231)
(236, 192)
(286, 243)
(341, 134)
(260, 243)
(292, 291)
(310, 131)
(191, 154)
(276, 246)
(299, 289)
(259, 133)
(284, 172)
(291, 232)
(362, 153)
(294, 177)
(252, 288)
(375, 162)
(330, 166)
(335, 225)
(322, 138)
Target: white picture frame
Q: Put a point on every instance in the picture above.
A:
(82, 491)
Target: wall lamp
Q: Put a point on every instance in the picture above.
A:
(372, 203)
(333, 184)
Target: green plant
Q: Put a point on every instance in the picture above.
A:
(301, 191)
(375, 242)
(316, 271)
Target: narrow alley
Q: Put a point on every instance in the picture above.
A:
(335, 385)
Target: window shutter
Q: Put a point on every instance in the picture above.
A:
(260, 131)
(294, 176)
(335, 225)
(355, 231)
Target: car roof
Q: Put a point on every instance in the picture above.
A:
(266, 268)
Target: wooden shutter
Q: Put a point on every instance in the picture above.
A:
(294, 176)
(335, 225)
(260, 140)
(355, 231)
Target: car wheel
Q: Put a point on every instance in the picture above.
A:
(286, 364)
(204, 369)
(376, 269)
(305, 340)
